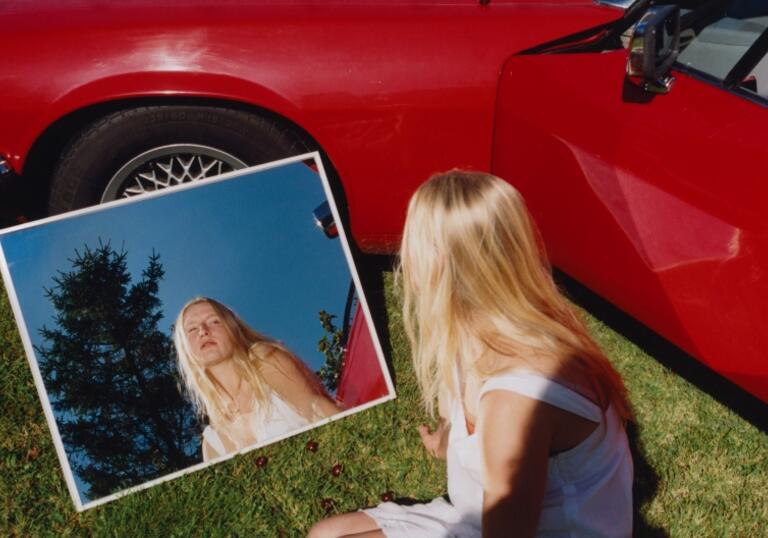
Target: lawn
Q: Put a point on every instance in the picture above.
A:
(703, 473)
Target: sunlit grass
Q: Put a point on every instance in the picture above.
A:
(712, 465)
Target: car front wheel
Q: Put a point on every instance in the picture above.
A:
(144, 149)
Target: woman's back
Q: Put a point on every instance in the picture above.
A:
(588, 488)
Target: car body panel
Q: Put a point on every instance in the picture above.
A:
(422, 77)
(659, 206)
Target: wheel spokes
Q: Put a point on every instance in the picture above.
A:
(173, 170)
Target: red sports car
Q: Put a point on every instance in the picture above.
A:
(634, 131)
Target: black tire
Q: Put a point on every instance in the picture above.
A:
(104, 148)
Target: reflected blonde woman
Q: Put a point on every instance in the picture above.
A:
(532, 412)
(250, 387)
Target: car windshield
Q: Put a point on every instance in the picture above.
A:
(715, 36)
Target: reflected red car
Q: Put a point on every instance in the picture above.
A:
(361, 380)
(641, 159)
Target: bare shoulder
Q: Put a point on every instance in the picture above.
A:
(295, 383)
(286, 374)
(516, 415)
(515, 434)
(276, 363)
(567, 372)
(264, 350)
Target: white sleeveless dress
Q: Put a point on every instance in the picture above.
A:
(262, 426)
(588, 490)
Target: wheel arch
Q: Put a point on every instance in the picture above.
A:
(42, 157)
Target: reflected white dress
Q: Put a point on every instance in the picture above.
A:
(259, 426)
(588, 490)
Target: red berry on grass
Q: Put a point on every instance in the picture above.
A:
(33, 453)
(387, 496)
(327, 504)
(261, 462)
(336, 469)
(312, 446)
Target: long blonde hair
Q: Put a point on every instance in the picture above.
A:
(250, 348)
(475, 277)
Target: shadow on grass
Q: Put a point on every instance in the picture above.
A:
(727, 393)
(645, 484)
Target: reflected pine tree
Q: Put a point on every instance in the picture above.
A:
(331, 345)
(110, 377)
(334, 342)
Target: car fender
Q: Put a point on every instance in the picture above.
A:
(129, 89)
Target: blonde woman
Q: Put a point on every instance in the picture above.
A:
(249, 386)
(532, 413)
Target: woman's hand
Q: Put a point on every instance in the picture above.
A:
(436, 442)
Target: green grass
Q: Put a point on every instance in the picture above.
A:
(712, 466)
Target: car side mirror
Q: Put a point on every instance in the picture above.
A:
(653, 48)
(324, 220)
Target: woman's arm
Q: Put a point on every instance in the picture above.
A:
(294, 384)
(209, 452)
(215, 443)
(515, 438)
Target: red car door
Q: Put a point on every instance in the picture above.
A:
(656, 202)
